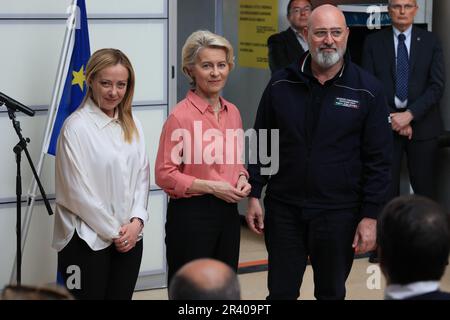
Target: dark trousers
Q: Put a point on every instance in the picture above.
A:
(421, 159)
(104, 275)
(292, 234)
(201, 227)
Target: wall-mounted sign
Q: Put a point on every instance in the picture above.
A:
(258, 19)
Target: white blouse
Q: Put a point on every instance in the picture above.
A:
(101, 180)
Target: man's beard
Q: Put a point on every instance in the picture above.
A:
(327, 59)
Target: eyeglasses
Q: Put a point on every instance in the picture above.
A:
(322, 33)
(399, 7)
(299, 10)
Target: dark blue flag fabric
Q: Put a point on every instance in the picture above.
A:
(75, 84)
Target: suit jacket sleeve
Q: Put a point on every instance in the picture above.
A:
(376, 154)
(278, 58)
(435, 86)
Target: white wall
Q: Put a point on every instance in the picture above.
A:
(34, 34)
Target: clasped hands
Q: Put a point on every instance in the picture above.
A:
(129, 234)
(401, 122)
(230, 194)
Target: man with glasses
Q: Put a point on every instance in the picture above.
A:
(287, 46)
(409, 62)
(334, 161)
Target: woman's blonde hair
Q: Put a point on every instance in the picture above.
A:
(199, 40)
(100, 60)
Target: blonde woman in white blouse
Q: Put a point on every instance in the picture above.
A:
(102, 184)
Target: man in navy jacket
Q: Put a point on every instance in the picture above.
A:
(334, 163)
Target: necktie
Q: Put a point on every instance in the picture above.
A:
(401, 86)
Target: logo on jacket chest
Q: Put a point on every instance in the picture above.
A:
(346, 103)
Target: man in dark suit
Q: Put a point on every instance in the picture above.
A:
(287, 46)
(413, 236)
(409, 62)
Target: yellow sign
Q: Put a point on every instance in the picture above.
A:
(258, 19)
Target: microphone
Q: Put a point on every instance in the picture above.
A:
(10, 103)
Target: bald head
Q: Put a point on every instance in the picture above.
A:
(327, 35)
(205, 279)
(327, 14)
(206, 273)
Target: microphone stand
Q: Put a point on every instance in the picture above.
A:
(18, 148)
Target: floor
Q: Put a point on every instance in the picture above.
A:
(364, 283)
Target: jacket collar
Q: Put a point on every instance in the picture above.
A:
(302, 68)
(291, 36)
(407, 32)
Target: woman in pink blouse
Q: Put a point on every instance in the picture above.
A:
(199, 163)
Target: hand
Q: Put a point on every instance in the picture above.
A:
(400, 120)
(407, 132)
(254, 216)
(243, 185)
(128, 236)
(226, 191)
(365, 236)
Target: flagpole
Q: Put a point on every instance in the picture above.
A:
(58, 87)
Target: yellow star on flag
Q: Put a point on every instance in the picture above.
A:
(78, 77)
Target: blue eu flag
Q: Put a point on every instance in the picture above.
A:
(75, 84)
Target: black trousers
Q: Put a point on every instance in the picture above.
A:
(104, 275)
(421, 159)
(292, 234)
(201, 227)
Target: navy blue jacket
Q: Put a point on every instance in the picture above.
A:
(347, 163)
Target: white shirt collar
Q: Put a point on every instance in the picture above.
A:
(296, 32)
(400, 292)
(98, 116)
(407, 32)
(301, 40)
